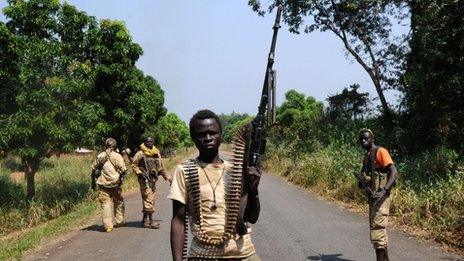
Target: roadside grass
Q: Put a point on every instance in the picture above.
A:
(12, 247)
(63, 200)
(428, 199)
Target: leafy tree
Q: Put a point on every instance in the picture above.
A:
(364, 27)
(297, 120)
(349, 104)
(132, 101)
(9, 70)
(231, 129)
(297, 107)
(434, 78)
(68, 80)
(230, 123)
(170, 133)
(49, 113)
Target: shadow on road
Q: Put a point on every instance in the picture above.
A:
(136, 224)
(97, 228)
(329, 257)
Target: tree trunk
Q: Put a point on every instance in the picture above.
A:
(31, 165)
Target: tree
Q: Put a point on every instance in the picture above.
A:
(9, 70)
(230, 124)
(133, 102)
(234, 126)
(298, 108)
(49, 112)
(434, 79)
(349, 104)
(69, 81)
(297, 120)
(169, 133)
(365, 29)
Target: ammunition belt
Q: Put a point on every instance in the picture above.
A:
(233, 191)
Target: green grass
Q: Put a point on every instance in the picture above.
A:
(63, 197)
(429, 197)
(13, 247)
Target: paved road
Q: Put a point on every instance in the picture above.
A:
(294, 225)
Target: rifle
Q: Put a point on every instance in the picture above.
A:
(257, 140)
(93, 179)
(146, 175)
(366, 187)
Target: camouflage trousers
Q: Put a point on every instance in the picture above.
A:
(107, 198)
(147, 190)
(378, 220)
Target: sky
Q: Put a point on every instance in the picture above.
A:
(213, 53)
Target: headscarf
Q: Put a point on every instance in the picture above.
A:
(149, 152)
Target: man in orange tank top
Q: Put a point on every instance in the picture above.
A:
(380, 175)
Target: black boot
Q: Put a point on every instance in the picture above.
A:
(380, 254)
(144, 220)
(386, 254)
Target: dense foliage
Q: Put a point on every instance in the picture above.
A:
(231, 123)
(170, 133)
(434, 79)
(68, 80)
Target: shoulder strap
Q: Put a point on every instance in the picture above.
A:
(372, 157)
(109, 159)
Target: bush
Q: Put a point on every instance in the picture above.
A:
(429, 194)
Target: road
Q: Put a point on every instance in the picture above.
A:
(294, 225)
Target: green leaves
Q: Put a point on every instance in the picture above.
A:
(169, 133)
(434, 79)
(67, 81)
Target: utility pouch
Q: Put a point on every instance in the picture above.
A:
(149, 164)
(379, 181)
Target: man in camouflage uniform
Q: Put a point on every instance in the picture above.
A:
(378, 176)
(147, 165)
(109, 170)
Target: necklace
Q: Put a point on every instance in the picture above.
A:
(214, 205)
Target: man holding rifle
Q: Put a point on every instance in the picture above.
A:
(218, 196)
(209, 189)
(377, 178)
(147, 165)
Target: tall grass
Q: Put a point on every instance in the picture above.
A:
(429, 195)
(61, 184)
(63, 199)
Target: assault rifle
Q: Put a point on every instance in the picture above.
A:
(257, 139)
(147, 176)
(362, 184)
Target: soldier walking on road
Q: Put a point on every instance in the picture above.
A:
(109, 170)
(209, 188)
(147, 165)
(378, 176)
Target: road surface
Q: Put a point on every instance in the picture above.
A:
(294, 225)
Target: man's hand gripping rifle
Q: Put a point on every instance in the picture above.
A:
(257, 140)
(362, 183)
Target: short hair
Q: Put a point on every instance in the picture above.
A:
(201, 115)
(110, 143)
(149, 138)
(364, 130)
